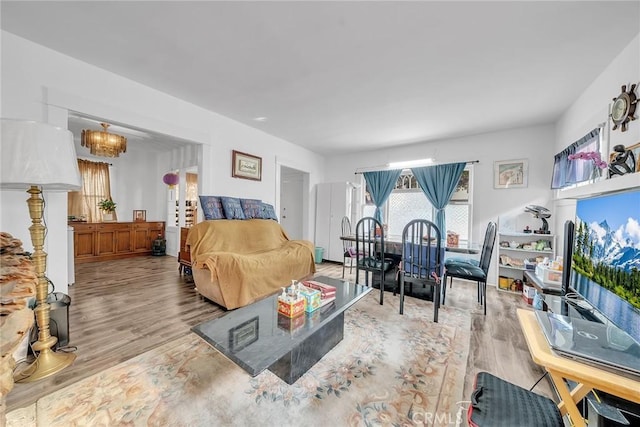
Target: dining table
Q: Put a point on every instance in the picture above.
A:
(393, 250)
(393, 245)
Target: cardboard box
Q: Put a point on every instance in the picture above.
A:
(504, 282)
(291, 309)
(528, 292)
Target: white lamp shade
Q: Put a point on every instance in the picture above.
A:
(37, 154)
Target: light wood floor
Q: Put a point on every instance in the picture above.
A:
(120, 309)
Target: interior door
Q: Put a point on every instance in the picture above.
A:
(291, 201)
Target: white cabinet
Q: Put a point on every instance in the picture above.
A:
(333, 203)
(516, 250)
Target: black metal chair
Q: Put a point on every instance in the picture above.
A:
(468, 270)
(421, 263)
(349, 252)
(370, 256)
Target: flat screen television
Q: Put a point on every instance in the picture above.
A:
(605, 267)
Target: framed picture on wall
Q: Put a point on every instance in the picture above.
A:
(246, 166)
(139, 216)
(510, 173)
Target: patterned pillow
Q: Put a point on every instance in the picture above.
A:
(211, 207)
(232, 207)
(268, 212)
(252, 208)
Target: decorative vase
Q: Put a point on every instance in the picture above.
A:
(596, 175)
(107, 216)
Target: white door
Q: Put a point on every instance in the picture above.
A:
(291, 201)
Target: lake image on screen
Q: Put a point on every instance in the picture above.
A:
(606, 256)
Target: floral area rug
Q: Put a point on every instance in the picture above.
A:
(389, 370)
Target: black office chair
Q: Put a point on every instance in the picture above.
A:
(469, 271)
(421, 262)
(370, 256)
(499, 403)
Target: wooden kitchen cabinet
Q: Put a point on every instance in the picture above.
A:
(84, 241)
(144, 233)
(114, 240)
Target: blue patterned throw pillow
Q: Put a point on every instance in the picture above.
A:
(232, 207)
(252, 208)
(268, 212)
(211, 207)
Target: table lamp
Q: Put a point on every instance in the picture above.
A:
(36, 157)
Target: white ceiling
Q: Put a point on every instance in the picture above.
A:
(137, 139)
(347, 76)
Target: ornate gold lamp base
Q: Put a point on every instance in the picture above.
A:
(47, 363)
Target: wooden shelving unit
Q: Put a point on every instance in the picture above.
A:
(519, 253)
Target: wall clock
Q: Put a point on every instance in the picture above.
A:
(624, 107)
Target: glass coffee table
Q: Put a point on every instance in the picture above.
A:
(257, 337)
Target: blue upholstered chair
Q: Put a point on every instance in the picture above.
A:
(475, 270)
(370, 256)
(421, 262)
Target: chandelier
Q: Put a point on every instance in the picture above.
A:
(103, 143)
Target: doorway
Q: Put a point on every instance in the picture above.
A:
(293, 205)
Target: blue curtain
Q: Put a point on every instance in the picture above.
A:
(567, 172)
(438, 183)
(380, 184)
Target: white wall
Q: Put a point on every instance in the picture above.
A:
(592, 108)
(42, 84)
(534, 144)
(134, 182)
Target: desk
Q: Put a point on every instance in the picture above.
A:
(588, 377)
(393, 245)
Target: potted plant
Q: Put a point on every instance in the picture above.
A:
(108, 207)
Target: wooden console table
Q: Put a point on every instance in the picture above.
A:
(101, 241)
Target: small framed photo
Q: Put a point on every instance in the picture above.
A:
(510, 173)
(139, 216)
(246, 166)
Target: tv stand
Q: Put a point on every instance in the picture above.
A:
(610, 409)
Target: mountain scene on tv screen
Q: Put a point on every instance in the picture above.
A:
(607, 246)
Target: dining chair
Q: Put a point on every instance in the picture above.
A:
(370, 256)
(349, 252)
(421, 262)
(469, 270)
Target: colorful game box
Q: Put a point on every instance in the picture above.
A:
(326, 291)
